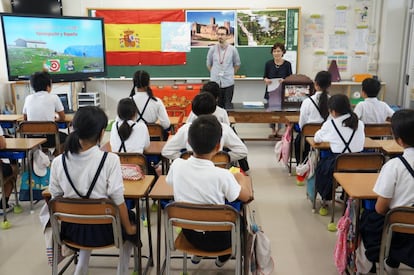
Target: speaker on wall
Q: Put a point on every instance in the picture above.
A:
(38, 7)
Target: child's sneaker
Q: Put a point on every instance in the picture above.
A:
(323, 211)
(220, 263)
(196, 259)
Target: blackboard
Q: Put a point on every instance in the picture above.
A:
(253, 59)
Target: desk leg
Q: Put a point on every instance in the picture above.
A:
(159, 237)
(291, 150)
(5, 224)
(150, 256)
(29, 165)
(137, 209)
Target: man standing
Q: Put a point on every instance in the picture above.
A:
(223, 62)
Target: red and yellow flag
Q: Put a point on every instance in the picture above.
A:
(133, 37)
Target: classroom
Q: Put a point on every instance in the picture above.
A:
(371, 37)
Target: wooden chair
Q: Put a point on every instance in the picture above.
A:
(355, 162)
(399, 219)
(308, 130)
(156, 132)
(220, 159)
(134, 158)
(27, 128)
(84, 211)
(205, 218)
(381, 130)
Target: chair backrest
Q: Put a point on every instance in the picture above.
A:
(156, 132)
(382, 130)
(84, 211)
(220, 159)
(308, 130)
(134, 158)
(399, 219)
(40, 128)
(359, 162)
(205, 217)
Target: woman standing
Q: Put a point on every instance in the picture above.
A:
(276, 68)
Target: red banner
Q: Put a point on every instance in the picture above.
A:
(130, 40)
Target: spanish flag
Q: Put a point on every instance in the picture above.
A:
(133, 37)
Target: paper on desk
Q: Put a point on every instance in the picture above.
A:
(274, 85)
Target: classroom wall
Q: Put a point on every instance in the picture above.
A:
(389, 16)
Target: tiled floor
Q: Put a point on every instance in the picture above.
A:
(301, 243)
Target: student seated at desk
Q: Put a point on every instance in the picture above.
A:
(345, 134)
(44, 106)
(395, 187)
(372, 110)
(205, 104)
(314, 109)
(197, 180)
(127, 135)
(221, 114)
(72, 175)
(150, 108)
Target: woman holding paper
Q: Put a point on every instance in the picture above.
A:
(275, 71)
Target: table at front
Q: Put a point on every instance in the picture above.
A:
(357, 186)
(164, 191)
(135, 190)
(260, 115)
(25, 146)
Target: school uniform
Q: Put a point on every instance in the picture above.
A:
(198, 181)
(328, 133)
(42, 106)
(174, 146)
(372, 110)
(136, 142)
(219, 113)
(151, 110)
(396, 183)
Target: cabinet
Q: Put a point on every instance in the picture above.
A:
(88, 99)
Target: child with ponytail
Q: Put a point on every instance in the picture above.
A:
(345, 134)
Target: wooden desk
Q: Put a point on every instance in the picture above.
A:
(25, 146)
(368, 144)
(155, 149)
(260, 115)
(390, 147)
(135, 189)
(11, 121)
(357, 186)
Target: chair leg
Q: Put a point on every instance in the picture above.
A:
(184, 263)
(55, 257)
(167, 261)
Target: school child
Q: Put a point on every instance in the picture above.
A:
(204, 103)
(314, 109)
(395, 187)
(372, 110)
(127, 135)
(43, 105)
(345, 134)
(221, 114)
(72, 176)
(196, 180)
(150, 108)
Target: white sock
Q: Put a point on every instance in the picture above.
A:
(124, 260)
(83, 262)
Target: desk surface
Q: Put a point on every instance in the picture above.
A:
(154, 148)
(134, 189)
(12, 117)
(161, 190)
(358, 185)
(368, 144)
(390, 147)
(13, 144)
(292, 119)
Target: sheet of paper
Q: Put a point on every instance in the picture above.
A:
(253, 104)
(274, 85)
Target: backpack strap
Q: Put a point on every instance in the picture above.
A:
(317, 107)
(342, 138)
(141, 114)
(407, 165)
(122, 147)
(95, 178)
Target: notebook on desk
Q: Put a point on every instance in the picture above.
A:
(253, 104)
